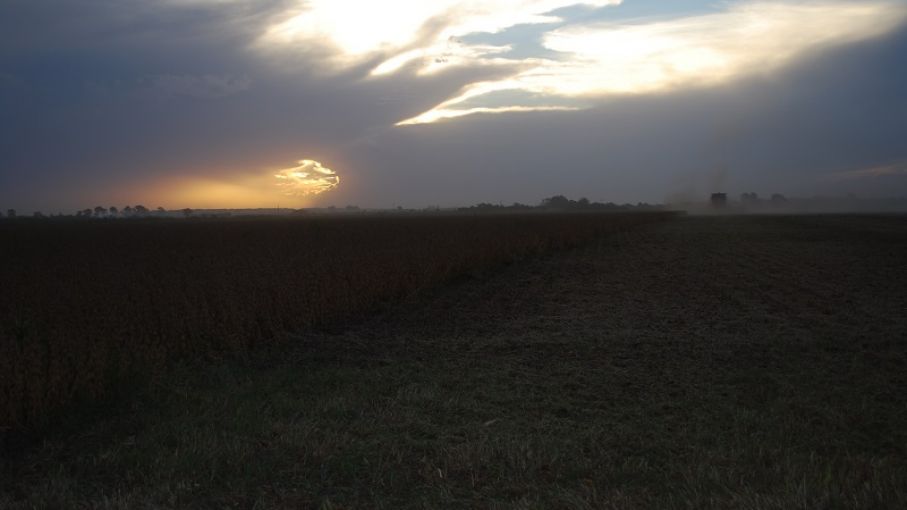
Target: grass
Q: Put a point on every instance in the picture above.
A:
(704, 363)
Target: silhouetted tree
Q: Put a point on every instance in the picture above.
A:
(140, 210)
(99, 211)
(161, 211)
(127, 211)
(556, 202)
(113, 211)
(38, 214)
(11, 213)
(778, 198)
(187, 212)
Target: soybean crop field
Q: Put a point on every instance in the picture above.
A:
(89, 306)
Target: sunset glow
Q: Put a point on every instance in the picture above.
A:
(291, 187)
(307, 178)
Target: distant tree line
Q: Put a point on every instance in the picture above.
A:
(561, 203)
(137, 211)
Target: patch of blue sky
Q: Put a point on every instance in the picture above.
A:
(525, 41)
(641, 10)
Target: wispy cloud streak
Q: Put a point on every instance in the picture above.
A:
(605, 59)
(899, 168)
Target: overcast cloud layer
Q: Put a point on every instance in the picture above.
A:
(202, 103)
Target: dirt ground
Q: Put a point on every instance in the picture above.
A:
(708, 362)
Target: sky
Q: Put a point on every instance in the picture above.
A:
(301, 103)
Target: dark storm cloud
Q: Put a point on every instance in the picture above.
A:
(91, 98)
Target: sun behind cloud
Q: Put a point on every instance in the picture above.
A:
(237, 189)
(309, 177)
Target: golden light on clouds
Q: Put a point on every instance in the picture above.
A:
(441, 114)
(346, 32)
(751, 38)
(309, 177)
(578, 60)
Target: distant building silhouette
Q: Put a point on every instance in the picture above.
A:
(719, 200)
(750, 199)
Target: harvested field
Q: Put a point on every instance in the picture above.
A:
(721, 362)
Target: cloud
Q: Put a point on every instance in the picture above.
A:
(349, 32)
(749, 38)
(603, 59)
(307, 178)
(899, 168)
(438, 114)
(205, 86)
(200, 3)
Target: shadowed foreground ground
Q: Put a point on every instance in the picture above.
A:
(707, 362)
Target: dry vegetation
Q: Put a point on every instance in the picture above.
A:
(725, 362)
(87, 306)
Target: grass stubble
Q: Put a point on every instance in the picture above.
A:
(742, 362)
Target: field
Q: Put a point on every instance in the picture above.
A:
(701, 362)
(91, 306)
